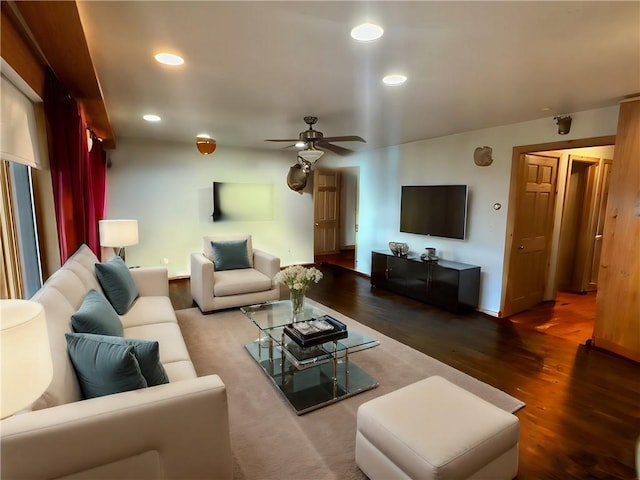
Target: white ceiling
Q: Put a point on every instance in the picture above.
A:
(254, 69)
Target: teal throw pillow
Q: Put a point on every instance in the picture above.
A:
(103, 368)
(230, 255)
(147, 353)
(96, 315)
(103, 348)
(118, 285)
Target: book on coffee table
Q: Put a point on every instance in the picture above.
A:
(316, 331)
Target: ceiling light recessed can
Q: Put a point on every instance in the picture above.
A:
(151, 118)
(169, 59)
(394, 79)
(366, 32)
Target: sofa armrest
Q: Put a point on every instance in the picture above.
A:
(266, 263)
(151, 281)
(178, 430)
(201, 279)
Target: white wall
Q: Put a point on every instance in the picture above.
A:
(167, 187)
(449, 160)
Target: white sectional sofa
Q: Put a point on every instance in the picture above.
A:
(176, 430)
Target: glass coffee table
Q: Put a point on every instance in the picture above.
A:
(311, 377)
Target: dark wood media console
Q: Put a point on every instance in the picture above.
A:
(451, 285)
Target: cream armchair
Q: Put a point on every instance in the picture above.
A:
(214, 288)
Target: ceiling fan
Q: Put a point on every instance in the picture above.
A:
(314, 139)
(314, 142)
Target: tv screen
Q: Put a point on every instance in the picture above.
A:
(438, 210)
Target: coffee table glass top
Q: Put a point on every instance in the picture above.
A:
(311, 377)
(277, 314)
(271, 317)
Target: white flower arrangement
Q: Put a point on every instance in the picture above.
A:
(298, 278)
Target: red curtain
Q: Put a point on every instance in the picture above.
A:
(78, 176)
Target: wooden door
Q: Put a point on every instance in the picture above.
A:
(616, 327)
(601, 205)
(585, 234)
(326, 211)
(530, 247)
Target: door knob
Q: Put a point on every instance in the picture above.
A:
(317, 224)
(521, 247)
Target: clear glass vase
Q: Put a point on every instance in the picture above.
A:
(297, 304)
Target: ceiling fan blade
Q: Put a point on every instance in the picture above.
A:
(334, 148)
(282, 140)
(346, 138)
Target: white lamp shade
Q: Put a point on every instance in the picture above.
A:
(26, 365)
(118, 233)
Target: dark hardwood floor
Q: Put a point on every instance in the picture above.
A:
(582, 417)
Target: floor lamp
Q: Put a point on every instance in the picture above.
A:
(25, 358)
(118, 234)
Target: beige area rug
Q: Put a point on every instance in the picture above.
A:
(268, 439)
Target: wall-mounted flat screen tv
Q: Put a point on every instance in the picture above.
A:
(438, 210)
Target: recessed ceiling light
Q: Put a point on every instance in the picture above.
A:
(545, 109)
(169, 59)
(395, 79)
(367, 32)
(151, 118)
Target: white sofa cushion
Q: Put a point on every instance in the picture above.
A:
(148, 311)
(169, 337)
(235, 282)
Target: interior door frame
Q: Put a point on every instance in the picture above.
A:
(512, 212)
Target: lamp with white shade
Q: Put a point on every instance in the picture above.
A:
(25, 355)
(118, 234)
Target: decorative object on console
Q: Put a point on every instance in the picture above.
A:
(26, 366)
(298, 279)
(118, 234)
(429, 255)
(399, 249)
(205, 144)
(564, 124)
(482, 156)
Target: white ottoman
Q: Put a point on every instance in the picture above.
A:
(433, 429)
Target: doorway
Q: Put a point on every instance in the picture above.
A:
(336, 216)
(572, 260)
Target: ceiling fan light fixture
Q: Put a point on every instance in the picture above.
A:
(366, 32)
(205, 144)
(394, 79)
(311, 155)
(169, 59)
(300, 144)
(151, 118)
